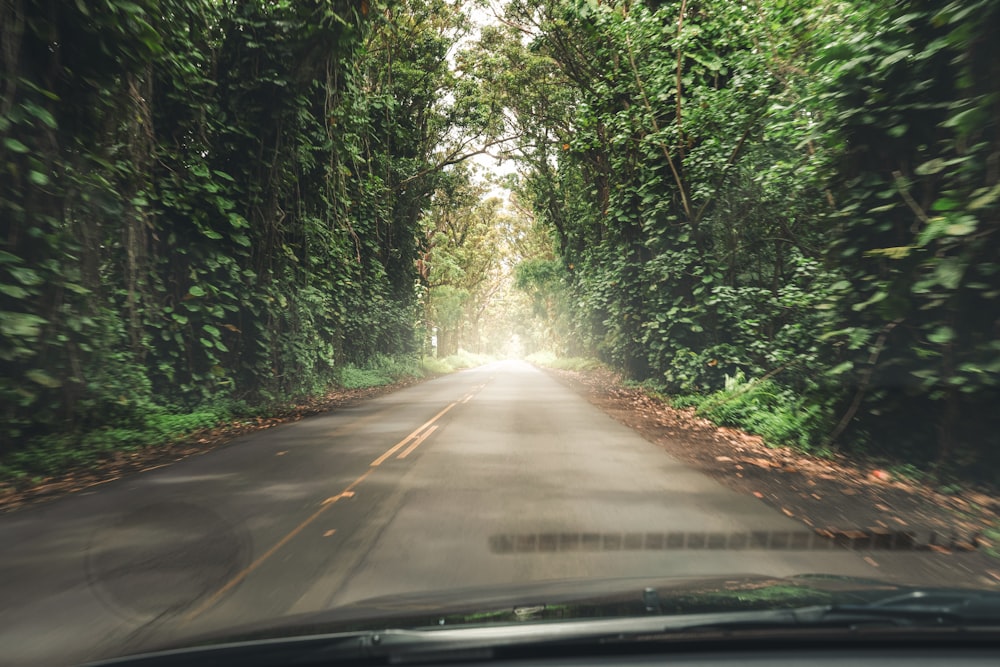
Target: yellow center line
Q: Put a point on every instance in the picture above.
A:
(342, 494)
(399, 445)
(416, 443)
(346, 493)
(210, 602)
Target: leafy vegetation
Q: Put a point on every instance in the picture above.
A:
(207, 202)
(787, 210)
(784, 212)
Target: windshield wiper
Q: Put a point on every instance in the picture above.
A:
(912, 610)
(956, 609)
(930, 607)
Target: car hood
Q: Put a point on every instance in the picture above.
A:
(566, 600)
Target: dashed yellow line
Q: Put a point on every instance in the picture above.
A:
(415, 439)
(416, 443)
(229, 585)
(399, 445)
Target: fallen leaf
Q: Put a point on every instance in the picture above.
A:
(758, 494)
(871, 561)
(723, 458)
(787, 512)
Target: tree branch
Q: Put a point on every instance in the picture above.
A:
(456, 156)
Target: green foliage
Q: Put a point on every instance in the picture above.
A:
(913, 113)
(206, 202)
(53, 454)
(469, 244)
(455, 362)
(768, 409)
(801, 192)
(379, 371)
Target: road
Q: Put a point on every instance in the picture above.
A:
(488, 476)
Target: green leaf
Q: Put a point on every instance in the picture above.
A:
(894, 58)
(20, 325)
(15, 145)
(949, 272)
(38, 178)
(25, 276)
(935, 229)
(130, 7)
(984, 199)
(963, 226)
(13, 291)
(195, 290)
(878, 296)
(41, 114)
(899, 252)
(942, 335)
(841, 368)
(41, 377)
(945, 204)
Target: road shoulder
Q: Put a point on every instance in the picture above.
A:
(852, 502)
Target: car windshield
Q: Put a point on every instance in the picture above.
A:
(356, 315)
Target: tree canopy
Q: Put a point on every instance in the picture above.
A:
(784, 211)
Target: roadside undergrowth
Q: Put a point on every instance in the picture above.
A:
(150, 427)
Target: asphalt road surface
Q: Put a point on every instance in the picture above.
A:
(494, 475)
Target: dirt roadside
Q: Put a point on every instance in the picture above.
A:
(861, 506)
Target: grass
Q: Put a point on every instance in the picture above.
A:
(455, 362)
(53, 454)
(766, 409)
(378, 372)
